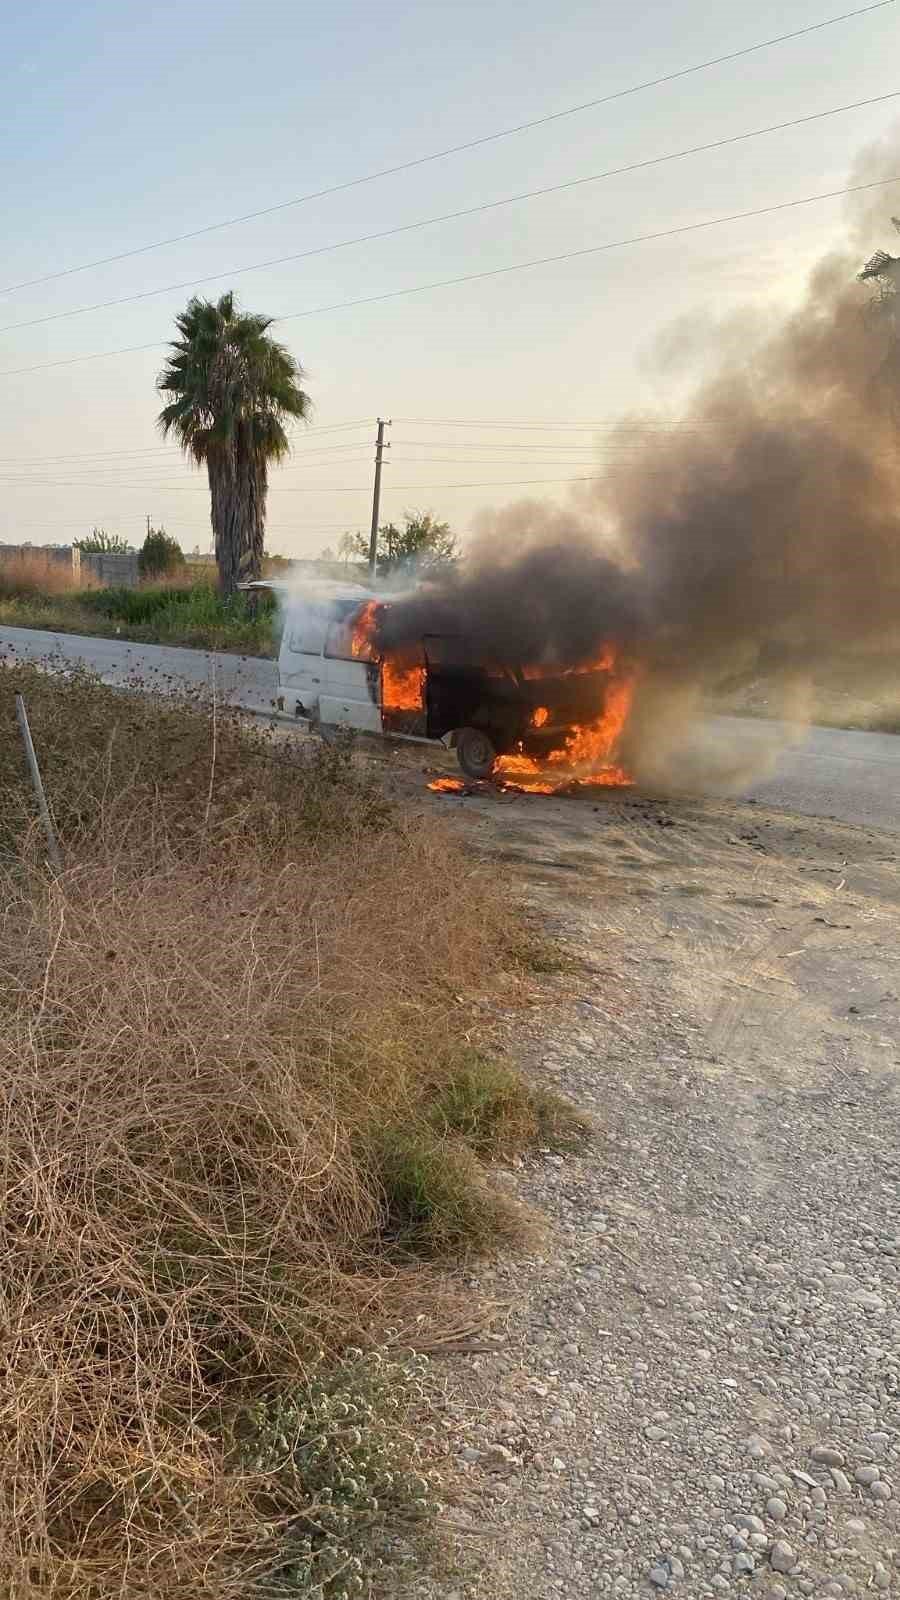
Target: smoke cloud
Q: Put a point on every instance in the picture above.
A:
(760, 538)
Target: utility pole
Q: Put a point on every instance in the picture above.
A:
(376, 498)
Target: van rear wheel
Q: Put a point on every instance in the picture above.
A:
(475, 753)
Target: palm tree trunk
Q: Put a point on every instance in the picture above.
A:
(251, 497)
(256, 528)
(238, 482)
(225, 514)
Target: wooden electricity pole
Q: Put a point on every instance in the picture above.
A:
(380, 447)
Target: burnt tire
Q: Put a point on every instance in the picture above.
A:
(475, 753)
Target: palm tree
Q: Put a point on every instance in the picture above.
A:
(231, 390)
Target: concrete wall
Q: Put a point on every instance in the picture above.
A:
(117, 569)
(44, 552)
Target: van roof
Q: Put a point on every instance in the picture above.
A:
(323, 589)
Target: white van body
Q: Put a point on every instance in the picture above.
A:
(319, 678)
(327, 677)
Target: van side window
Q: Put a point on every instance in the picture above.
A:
(339, 641)
(307, 635)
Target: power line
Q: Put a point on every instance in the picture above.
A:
(641, 430)
(543, 427)
(176, 450)
(362, 488)
(187, 527)
(499, 272)
(119, 469)
(462, 461)
(633, 443)
(457, 149)
(136, 472)
(451, 216)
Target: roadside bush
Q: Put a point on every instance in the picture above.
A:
(159, 554)
(499, 1113)
(224, 1033)
(439, 1203)
(134, 606)
(123, 765)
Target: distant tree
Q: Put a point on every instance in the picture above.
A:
(99, 542)
(231, 389)
(347, 549)
(421, 544)
(159, 554)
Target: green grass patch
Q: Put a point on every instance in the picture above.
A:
(500, 1114)
(193, 616)
(439, 1202)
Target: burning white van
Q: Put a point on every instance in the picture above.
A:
(332, 674)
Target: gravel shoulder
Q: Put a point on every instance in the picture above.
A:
(696, 1387)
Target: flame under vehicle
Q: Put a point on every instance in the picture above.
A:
(506, 721)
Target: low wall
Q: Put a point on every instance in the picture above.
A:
(43, 552)
(115, 569)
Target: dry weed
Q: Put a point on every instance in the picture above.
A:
(35, 575)
(247, 972)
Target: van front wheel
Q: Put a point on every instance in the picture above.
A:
(475, 753)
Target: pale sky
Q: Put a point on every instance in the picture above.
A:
(128, 124)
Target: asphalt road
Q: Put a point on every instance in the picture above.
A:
(243, 680)
(821, 772)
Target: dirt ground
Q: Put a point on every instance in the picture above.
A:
(717, 1303)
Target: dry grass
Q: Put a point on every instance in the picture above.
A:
(218, 1028)
(36, 576)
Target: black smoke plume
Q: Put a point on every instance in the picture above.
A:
(759, 539)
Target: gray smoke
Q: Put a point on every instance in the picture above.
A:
(759, 541)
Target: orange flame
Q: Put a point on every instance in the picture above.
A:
(402, 687)
(362, 642)
(588, 756)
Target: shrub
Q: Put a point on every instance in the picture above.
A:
(439, 1203)
(190, 613)
(159, 554)
(340, 1465)
(499, 1113)
(114, 762)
